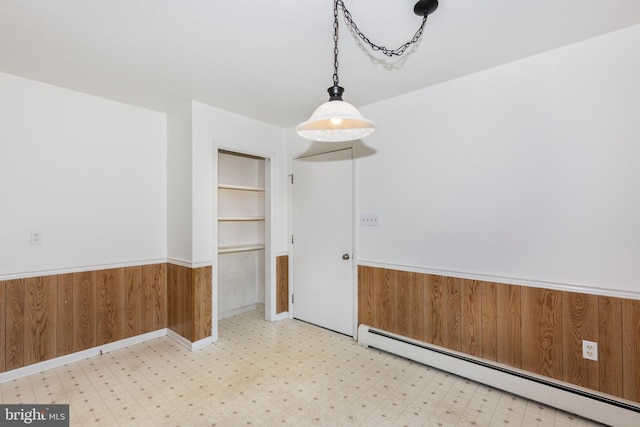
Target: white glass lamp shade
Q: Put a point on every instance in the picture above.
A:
(335, 121)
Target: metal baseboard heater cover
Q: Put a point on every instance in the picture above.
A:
(567, 397)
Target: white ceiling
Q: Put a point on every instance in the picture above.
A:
(273, 60)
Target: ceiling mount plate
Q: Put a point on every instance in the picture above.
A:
(425, 7)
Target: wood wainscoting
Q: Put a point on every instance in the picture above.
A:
(51, 316)
(534, 329)
(189, 292)
(282, 284)
(45, 317)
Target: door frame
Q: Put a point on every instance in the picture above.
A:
(354, 227)
(270, 256)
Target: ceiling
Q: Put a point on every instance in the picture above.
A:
(273, 60)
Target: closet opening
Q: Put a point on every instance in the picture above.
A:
(243, 201)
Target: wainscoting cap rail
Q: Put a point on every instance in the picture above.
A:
(560, 286)
(78, 269)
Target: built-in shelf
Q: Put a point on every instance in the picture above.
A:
(239, 187)
(241, 218)
(240, 248)
(242, 239)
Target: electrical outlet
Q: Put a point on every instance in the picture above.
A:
(590, 350)
(36, 237)
(369, 220)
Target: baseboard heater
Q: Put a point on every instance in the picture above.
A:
(567, 397)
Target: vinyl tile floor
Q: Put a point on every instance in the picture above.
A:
(259, 373)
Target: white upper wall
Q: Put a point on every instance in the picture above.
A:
(526, 172)
(111, 184)
(179, 184)
(89, 173)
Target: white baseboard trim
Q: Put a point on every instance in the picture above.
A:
(204, 342)
(191, 346)
(281, 316)
(80, 355)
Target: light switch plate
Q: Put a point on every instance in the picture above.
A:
(369, 220)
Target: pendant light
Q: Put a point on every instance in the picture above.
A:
(337, 120)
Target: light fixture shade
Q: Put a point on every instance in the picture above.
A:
(335, 121)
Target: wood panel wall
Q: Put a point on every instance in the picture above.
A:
(202, 303)
(2, 327)
(535, 329)
(65, 314)
(14, 324)
(282, 284)
(189, 292)
(50, 316)
(40, 305)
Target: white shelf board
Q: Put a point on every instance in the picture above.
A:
(241, 218)
(240, 248)
(239, 187)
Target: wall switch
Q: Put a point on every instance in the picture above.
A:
(369, 220)
(590, 350)
(36, 237)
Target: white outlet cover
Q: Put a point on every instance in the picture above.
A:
(590, 350)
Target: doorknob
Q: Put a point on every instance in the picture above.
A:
(345, 257)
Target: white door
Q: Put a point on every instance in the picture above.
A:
(323, 239)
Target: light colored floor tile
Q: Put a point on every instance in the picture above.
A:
(286, 373)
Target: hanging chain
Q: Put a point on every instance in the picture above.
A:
(388, 52)
(335, 42)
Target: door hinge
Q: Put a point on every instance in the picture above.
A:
(292, 239)
(293, 299)
(291, 176)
